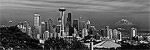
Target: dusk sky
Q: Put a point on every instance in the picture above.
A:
(100, 12)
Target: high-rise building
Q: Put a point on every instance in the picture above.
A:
(133, 32)
(46, 26)
(84, 32)
(46, 35)
(36, 20)
(68, 25)
(50, 24)
(30, 33)
(58, 30)
(80, 24)
(92, 30)
(75, 24)
(115, 32)
(69, 19)
(110, 33)
(119, 36)
(62, 16)
(37, 29)
(107, 31)
(42, 29)
(88, 24)
(54, 34)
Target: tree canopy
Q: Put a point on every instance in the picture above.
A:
(13, 37)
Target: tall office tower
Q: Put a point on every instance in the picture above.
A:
(62, 16)
(46, 26)
(75, 24)
(46, 35)
(80, 24)
(92, 30)
(30, 32)
(69, 19)
(88, 24)
(50, 25)
(58, 30)
(54, 31)
(36, 20)
(110, 33)
(68, 25)
(115, 32)
(133, 32)
(107, 31)
(84, 32)
(36, 25)
(119, 36)
(42, 29)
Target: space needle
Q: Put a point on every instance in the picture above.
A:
(62, 15)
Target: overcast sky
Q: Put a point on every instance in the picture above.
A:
(99, 12)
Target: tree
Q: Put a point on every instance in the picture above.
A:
(56, 43)
(13, 37)
(60, 43)
(75, 44)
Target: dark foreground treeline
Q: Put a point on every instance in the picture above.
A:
(13, 38)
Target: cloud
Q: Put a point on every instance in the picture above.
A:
(78, 5)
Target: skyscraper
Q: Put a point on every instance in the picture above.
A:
(46, 35)
(88, 24)
(50, 24)
(62, 16)
(107, 31)
(115, 32)
(75, 24)
(42, 29)
(58, 30)
(46, 26)
(110, 33)
(133, 32)
(80, 24)
(119, 36)
(69, 19)
(37, 29)
(69, 28)
(36, 20)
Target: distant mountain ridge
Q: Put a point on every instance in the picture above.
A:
(124, 22)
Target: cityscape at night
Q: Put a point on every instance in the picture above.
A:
(74, 25)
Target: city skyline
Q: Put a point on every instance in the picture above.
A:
(100, 13)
